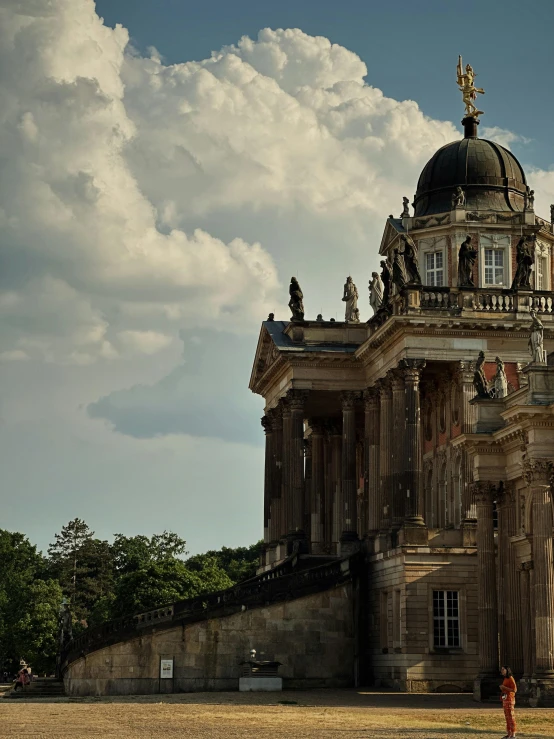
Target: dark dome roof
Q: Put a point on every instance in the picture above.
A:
(491, 176)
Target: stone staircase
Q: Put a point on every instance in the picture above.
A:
(42, 687)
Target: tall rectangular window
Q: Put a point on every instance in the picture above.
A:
(494, 266)
(434, 269)
(446, 618)
(540, 273)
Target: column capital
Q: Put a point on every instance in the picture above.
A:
(483, 491)
(276, 418)
(349, 399)
(384, 387)
(526, 566)
(412, 368)
(297, 398)
(266, 423)
(505, 494)
(396, 376)
(371, 398)
(538, 472)
(464, 372)
(317, 426)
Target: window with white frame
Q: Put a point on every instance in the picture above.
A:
(541, 268)
(434, 269)
(446, 618)
(495, 251)
(433, 261)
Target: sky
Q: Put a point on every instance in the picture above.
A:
(166, 167)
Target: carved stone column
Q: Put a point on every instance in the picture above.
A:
(372, 435)
(268, 478)
(468, 417)
(413, 449)
(527, 618)
(286, 497)
(336, 476)
(297, 400)
(307, 504)
(509, 605)
(317, 502)
(483, 494)
(397, 449)
(349, 531)
(538, 474)
(387, 440)
(328, 490)
(276, 514)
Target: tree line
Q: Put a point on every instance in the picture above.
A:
(101, 581)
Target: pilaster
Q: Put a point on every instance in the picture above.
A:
(387, 440)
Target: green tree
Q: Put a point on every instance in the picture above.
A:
(36, 632)
(239, 564)
(163, 582)
(29, 604)
(131, 553)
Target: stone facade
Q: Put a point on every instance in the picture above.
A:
(312, 636)
(388, 424)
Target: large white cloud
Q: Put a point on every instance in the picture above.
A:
(74, 219)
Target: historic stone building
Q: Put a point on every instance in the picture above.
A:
(371, 439)
(408, 517)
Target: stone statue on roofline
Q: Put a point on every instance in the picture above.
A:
(410, 261)
(525, 258)
(375, 292)
(536, 340)
(296, 302)
(466, 259)
(479, 380)
(405, 208)
(458, 198)
(386, 279)
(350, 297)
(500, 389)
(530, 200)
(398, 271)
(552, 213)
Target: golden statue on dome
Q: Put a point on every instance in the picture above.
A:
(466, 83)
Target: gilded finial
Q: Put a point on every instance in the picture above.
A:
(466, 83)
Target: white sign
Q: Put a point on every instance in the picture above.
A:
(166, 668)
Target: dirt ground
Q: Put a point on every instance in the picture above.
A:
(322, 714)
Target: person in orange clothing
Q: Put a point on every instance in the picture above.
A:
(508, 697)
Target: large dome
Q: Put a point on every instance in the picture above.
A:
(490, 175)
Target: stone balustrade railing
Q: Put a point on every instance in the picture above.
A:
(282, 583)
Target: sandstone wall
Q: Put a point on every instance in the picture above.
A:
(312, 636)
